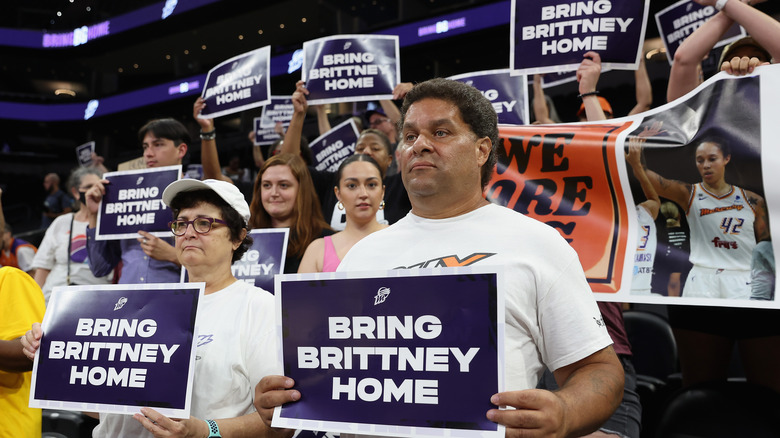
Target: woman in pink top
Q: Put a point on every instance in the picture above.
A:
(360, 192)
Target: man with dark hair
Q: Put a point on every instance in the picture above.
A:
(56, 203)
(147, 259)
(447, 156)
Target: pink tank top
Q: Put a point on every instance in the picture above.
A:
(330, 260)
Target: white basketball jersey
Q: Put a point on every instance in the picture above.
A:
(722, 235)
(644, 259)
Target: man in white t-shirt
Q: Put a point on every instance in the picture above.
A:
(446, 159)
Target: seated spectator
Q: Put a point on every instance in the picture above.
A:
(210, 224)
(284, 197)
(360, 193)
(16, 252)
(62, 259)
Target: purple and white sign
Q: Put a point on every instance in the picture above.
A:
(133, 202)
(84, 153)
(264, 136)
(262, 261)
(550, 35)
(238, 84)
(679, 20)
(507, 93)
(334, 146)
(117, 348)
(280, 110)
(351, 68)
(396, 353)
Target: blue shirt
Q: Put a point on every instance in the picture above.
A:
(137, 267)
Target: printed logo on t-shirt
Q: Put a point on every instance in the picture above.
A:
(78, 248)
(204, 339)
(450, 261)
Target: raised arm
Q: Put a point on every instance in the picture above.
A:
(643, 88)
(762, 27)
(676, 191)
(322, 119)
(634, 158)
(292, 138)
(209, 157)
(761, 224)
(685, 73)
(541, 111)
(588, 76)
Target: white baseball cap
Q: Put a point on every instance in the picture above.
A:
(225, 190)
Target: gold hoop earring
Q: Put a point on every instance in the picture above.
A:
(382, 205)
(340, 206)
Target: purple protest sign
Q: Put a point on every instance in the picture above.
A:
(117, 348)
(350, 68)
(262, 261)
(264, 136)
(548, 35)
(395, 353)
(334, 146)
(133, 202)
(84, 153)
(507, 93)
(280, 110)
(238, 84)
(678, 21)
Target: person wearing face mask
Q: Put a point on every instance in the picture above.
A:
(62, 257)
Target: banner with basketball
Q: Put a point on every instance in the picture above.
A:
(674, 205)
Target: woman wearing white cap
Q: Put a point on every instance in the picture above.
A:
(236, 340)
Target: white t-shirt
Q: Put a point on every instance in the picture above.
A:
(53, 255)
(236, 347)
(551, 314)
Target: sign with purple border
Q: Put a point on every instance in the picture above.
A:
(262, 261)
(351, 68)
(84, 153)
(133, 202)
(240, 83)
(334, 146)
(395, 353)
(550, 35)
(117, 348)
(676, 22)
(507, 93)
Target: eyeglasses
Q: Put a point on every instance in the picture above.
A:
(378, 121)
(201, 225)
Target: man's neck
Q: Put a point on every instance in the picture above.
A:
(431, 209)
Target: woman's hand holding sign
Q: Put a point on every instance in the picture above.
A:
(157, 248)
